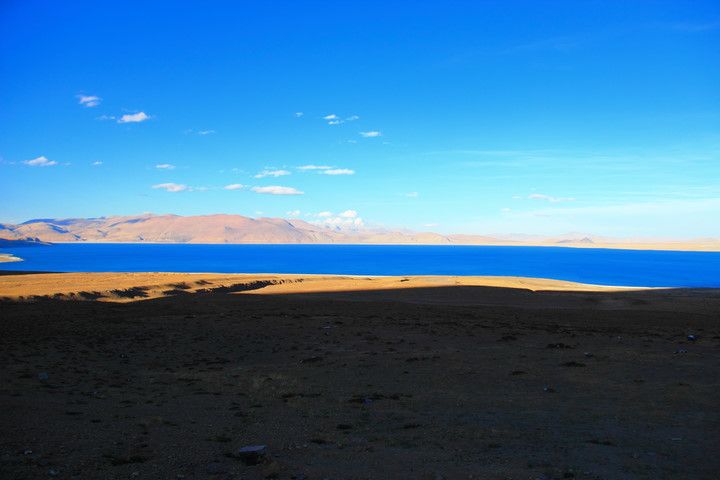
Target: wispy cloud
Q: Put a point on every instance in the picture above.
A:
(273, 173)
(41, 161)
(277, 190)
(89, 101)
(331, 117)
(134, 117)
(315, 167)
(348, 218)
(412, 194)
(234, 186)
(165, 166)
(192, 131)
(299, 114)
(171, 187)
(293, 213)
(549, 198)
(371, 134)
(337, 171)
(97, 163)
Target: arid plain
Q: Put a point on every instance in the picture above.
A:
(169, 375)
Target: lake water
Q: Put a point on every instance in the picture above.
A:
(598, 266)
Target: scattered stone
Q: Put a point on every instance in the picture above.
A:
(53, 472)
(692, 338)
(252, 454)
(548, 389)
(312, 359)
(680, 350)
(588, 355)
(559, 346)
(43, 376)
(572, 364)
(27, 452)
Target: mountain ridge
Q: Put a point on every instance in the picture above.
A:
(238, 229)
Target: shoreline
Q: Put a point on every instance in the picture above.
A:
(130, 286)
(633, 246)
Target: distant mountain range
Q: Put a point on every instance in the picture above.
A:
(149, 228)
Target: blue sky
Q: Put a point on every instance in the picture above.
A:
(471, 117)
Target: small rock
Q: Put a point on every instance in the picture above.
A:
(43, 376)
(548, 389)
(53, 472)
(252, 454)
(588, 355)
(27, 452)
(692, 338)
(680, 350)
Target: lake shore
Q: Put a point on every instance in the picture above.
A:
(119, 287)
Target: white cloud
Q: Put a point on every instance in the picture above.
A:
(134, 117)
(205, 132)
(412, 194)
(272, 173)
(348, 218)
(352, 118)
(338, 171)
(293, 213)
(348, 214)
(332, 116)
(171, 187)
(165, 166)
(371, 134)
(299, 114)
(89, 100)
(277, 190)
(549, 198)
(335, 122)
(105, 117)
(41, 161)
(97, 163)
(234, 186)
(430, 225)
(314, 167)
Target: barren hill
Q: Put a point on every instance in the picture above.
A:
(222, 228)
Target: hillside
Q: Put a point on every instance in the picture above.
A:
(221, 228)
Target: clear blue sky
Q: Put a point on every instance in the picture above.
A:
(477, 117)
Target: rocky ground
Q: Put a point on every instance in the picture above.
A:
(421, 383)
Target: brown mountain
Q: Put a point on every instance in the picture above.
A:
(149, 228)
(201, 229)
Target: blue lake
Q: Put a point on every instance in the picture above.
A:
(598, 266)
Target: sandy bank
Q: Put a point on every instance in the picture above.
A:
(135, 286)
(8, 257)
